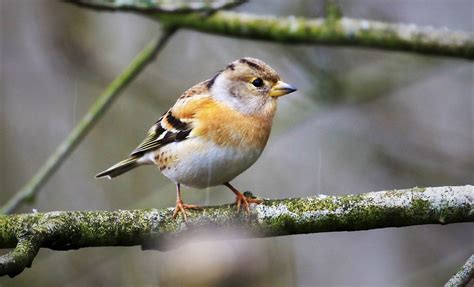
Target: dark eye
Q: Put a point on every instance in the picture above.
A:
(257, 82)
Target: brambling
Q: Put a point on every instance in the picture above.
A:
(215, 130)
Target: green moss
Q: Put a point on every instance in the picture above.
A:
(420, 206)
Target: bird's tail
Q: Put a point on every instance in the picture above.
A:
(119, 168)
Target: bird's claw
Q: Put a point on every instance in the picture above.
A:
(244, 200)
(181, 208)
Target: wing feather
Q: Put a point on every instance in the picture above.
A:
(158, 136)
(177, 123)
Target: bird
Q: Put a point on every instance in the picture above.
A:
(215, 131)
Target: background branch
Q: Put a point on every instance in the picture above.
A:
(156, 229)
(333, 30)
(166, 6)
(98, 108)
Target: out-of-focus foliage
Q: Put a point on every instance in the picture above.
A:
(362, 120)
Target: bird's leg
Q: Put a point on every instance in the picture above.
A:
(241, 199)
(180, 206)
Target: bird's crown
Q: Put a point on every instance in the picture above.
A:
(247, 69)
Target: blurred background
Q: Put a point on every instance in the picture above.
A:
(362, 120)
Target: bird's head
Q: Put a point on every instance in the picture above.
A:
(249, 85)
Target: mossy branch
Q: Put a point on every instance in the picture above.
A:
(156, 229)
(332, 30)
(98, 108)
(464, 275)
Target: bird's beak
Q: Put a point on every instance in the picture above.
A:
(281, 88)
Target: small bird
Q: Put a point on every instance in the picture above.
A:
(214, 132)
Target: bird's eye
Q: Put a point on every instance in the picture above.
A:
(257, 82)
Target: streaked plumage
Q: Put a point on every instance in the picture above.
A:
(215, 131)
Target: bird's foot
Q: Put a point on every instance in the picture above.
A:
(181, 208)
(244, 200)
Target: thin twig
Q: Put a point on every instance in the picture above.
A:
(156, 228)
(463, 276)
(94, 113)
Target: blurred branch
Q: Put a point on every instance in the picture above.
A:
(156, 229)
(333, 30)
(464, 275)
(98, 108)
(166, 6)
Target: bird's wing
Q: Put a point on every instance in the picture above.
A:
(177, 123)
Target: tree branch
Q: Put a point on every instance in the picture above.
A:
(156, 229)
(22, 256)
(164, 6)
(464, 275)
(333, 30)
(98, 108)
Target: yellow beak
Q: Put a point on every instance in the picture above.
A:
(281, 88)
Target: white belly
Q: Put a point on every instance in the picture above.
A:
(202, 164)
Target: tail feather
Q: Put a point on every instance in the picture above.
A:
(119, 168)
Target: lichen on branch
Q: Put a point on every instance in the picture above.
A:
(156, 229)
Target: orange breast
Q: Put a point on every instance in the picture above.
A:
(228, 127)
